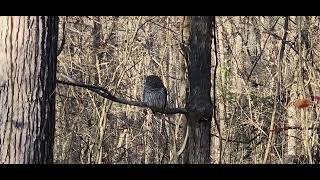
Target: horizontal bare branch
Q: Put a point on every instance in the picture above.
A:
(106, 94)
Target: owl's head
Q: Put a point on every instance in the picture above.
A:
(153, 81)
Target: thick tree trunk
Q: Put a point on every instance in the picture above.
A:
(199, 105)
(28, 54)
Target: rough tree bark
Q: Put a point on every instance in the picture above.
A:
(28, 54)
(199, 105)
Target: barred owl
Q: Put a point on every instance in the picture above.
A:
(154, 93)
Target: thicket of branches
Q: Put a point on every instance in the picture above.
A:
(265, 64)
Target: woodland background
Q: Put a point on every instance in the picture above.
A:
(265, 63)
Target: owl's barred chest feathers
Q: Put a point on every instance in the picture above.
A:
(154, 92)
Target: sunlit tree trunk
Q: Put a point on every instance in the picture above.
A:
(28, 56)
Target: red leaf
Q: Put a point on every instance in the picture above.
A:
(302, 103)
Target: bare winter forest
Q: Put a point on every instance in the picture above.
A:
(240, 90)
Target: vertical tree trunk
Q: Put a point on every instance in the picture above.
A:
(199, 103)
(292, 133)
(28, 52)
(96, 44)
(149, 154)
(292, 117)
(222, 103)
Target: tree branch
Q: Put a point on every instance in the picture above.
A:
(106, 94)
(259, 56)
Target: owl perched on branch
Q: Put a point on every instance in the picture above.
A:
(154, 93)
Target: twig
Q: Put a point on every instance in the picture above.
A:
(292, 127)
(282, 49)
(259, 57)
(237, 141)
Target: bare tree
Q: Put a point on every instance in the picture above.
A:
(267, 64)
